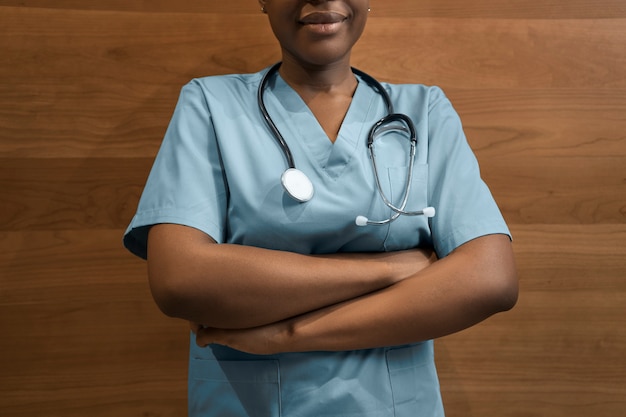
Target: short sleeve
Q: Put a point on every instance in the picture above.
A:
(465, 206)
(186, 184)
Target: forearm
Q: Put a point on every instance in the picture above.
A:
(451, 295)
(234, 286)
(476, 281)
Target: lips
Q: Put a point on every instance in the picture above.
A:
(322, 18)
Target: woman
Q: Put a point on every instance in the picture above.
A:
(295, 309)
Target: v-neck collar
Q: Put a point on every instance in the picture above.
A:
(306, 137)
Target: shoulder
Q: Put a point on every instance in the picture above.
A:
(428, 96)
(424, 103)
(227, 83)
(216, 92)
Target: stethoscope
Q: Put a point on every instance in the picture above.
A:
(299, 187)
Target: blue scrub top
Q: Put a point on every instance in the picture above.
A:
(218, 170)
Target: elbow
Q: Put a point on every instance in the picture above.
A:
(501, 272)
(178, 284)
(504, 291)
(167, 296)
(173, 290)
(177, 296)
(508, 295)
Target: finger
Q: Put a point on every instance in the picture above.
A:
(200, 343)
(195, 327)
(203, 336)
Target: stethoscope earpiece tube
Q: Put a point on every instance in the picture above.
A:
(299, 186)
(381, 127)
(270, 123)
(294, 182)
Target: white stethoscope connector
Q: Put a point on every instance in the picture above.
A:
(299, 187)
(387, 124)
(364, 221)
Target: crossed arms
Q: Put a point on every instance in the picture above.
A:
(264, 301)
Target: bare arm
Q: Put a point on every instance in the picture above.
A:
(234, 286)
(474, 282)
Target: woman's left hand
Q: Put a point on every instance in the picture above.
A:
(263, 340)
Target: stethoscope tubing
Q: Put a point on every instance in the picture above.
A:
(380, 127)
(268, 120)
(279, 137)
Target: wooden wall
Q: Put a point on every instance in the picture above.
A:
(86, 92)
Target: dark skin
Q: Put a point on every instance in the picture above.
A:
(263, 301)
(316, 56)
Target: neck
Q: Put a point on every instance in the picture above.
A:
(335, 78)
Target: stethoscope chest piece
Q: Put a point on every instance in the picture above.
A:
(297, 185)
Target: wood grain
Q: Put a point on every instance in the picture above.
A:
(132, 71)
(556, 9)
(561, 349)
(82, 332)
(53, 194)
(92, 335)
(108, 82)
(87, 92)
(59, 194)
(496, 53)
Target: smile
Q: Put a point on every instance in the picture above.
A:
(322, 18)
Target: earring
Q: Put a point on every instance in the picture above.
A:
(263, 9)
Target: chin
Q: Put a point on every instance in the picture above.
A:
(323, 56)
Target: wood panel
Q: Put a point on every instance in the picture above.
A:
(83, 335)
(85, 343)
(545, 188)
(563, 344)
(87, 91)
(70, 193)
(132, 72)
(528, 9)
(128, 66)
(495, 53)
